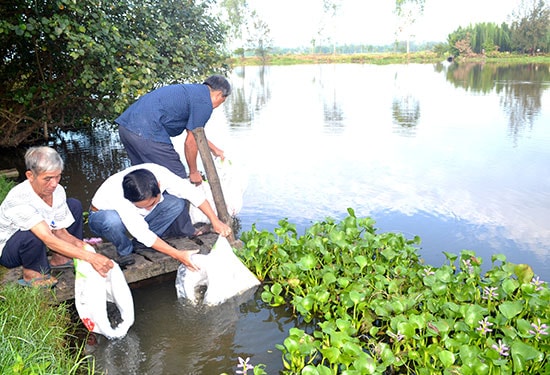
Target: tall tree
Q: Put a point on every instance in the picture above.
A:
(330, 10)
(238, 14)
(259, 36)
(530, 27)
(67, 62)
(407, 12)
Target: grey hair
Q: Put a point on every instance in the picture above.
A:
(219, 83)
(43, 159)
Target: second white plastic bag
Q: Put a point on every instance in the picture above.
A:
(221, 272)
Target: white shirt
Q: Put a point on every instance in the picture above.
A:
(22, 209)
(110, 196)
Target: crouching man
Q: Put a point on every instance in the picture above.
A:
(145, 200)
(36, 216)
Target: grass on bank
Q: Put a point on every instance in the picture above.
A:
(383, 58)
(38, 337)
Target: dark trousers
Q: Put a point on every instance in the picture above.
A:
(27, 250)
(142, 150)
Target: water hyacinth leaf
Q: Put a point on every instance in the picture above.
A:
(307, 303)
(450, 256)
(509, 332)
(418, 321)
(316, 370)
(338, 237)
(397, 306)
(524, 326)
(361, 260)
(345, 325)
(307, 262)
(331, 354)
(353, 349)
(447, 358)
(468, 353)
(472, 314)
(480, 368)
(329, 278)
(524, 272)
(526, 352)
(444, 274)
(356, 297)
(343, 282)
(406, 329)
(322, 297)
(366, 365)
(388, 253)
(510, 308)
(386, 353)
(509, 286)
(439, 288)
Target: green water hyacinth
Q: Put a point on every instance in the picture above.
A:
(366, 304)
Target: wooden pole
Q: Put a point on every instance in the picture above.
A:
(213, 179)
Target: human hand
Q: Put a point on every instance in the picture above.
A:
(221, 228)
(195, 178)
(184, 256)
(101, 264)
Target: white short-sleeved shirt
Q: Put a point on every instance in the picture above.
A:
(22, 209)
(110, 196)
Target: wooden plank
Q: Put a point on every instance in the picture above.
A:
(149, 264)
(9, 173)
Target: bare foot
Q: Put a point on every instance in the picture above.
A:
(28, 274)
(36, 279)
(58, 260)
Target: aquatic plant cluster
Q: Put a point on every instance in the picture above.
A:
(369, 305)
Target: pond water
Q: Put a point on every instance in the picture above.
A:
(457, 154)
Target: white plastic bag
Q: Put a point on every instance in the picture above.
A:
(221, 272)
(95, 294)
(233, 184)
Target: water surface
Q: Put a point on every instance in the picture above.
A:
(456, 154)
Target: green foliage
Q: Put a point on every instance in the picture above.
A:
(35, 336)
(375, 308)
(530, 28)
(5, 186)
(480, 38)
(67, 62)
(529, 32)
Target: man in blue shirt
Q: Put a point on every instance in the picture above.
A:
(146, 126)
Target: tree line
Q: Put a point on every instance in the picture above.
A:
(529, 32)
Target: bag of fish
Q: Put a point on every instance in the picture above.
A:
(222, 276)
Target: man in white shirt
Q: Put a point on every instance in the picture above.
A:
(145, 200)
(36, 216)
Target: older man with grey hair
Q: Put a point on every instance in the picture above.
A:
(36, 216)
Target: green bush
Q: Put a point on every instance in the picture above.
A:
(373, 307)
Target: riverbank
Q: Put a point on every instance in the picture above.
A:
(382, 58)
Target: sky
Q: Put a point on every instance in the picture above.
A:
(293, 23)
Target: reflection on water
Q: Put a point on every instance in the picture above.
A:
(457, 154)
(172, 337)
